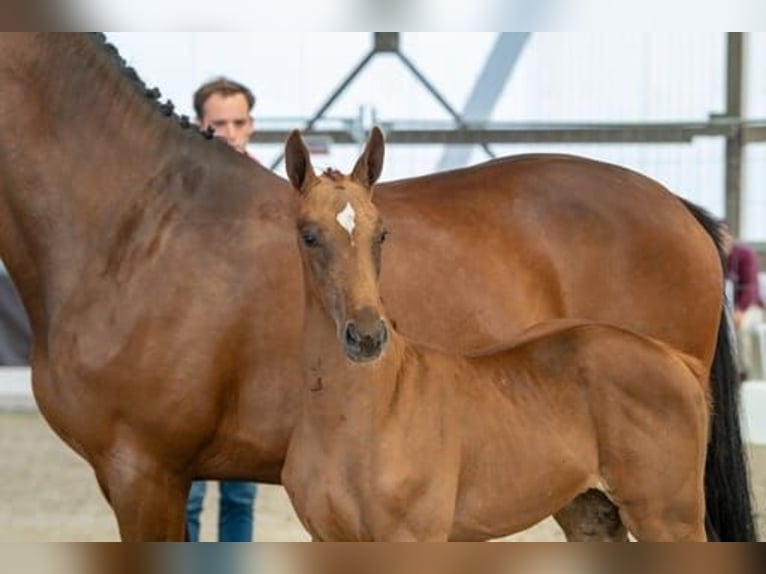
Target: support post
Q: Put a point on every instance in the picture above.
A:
(734, 142)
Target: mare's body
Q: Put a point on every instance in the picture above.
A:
(161, 278)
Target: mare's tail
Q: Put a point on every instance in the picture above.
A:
(727, 485)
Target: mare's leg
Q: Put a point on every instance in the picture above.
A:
(591, 517)
(148, 499)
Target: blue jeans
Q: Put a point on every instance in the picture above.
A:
(235, 518)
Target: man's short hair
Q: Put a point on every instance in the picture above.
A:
(226, 88)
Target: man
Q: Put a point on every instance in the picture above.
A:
(743, 289)
(225, 107)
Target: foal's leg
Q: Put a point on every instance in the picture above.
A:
(409, 507)
(591, 517)
(659, 487)
(676, 520)
(148, 500)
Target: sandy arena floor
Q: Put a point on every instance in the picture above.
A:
(49, 494)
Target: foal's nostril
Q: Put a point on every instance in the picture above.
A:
(352, 334)
(372, 341)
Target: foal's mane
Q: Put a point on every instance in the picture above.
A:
(333, 174)
(153, 95)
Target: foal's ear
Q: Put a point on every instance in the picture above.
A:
(298, 162)
(369, 166)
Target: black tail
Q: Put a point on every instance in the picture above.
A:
(727, 484)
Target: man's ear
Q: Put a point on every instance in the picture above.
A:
(298, 162)
(370, 164)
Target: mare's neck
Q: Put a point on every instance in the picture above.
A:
(79, 142)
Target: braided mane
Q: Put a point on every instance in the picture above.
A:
(166, 108)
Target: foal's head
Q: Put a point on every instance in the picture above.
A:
(340, 235)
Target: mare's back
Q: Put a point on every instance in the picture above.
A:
(540, 237)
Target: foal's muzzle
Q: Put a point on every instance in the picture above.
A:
(365, 341)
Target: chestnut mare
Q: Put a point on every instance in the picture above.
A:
(399, 442)
(162, 280)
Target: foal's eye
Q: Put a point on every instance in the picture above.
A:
(309, 239)
(383, 236)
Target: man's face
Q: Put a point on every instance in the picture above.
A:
(230, 119)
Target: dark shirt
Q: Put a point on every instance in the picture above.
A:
(743, 272)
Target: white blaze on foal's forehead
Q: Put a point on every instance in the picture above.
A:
(347, 220)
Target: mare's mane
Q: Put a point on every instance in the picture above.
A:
(154, 95)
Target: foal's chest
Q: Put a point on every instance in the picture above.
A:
(329, 505)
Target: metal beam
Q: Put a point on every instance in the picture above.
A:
(344, 132)
(753, 132)
(410, 65)
(734, 142)
(489, 87)
(551, 133)
(386, 42)
(331, 100)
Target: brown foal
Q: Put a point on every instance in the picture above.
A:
(400, 442)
